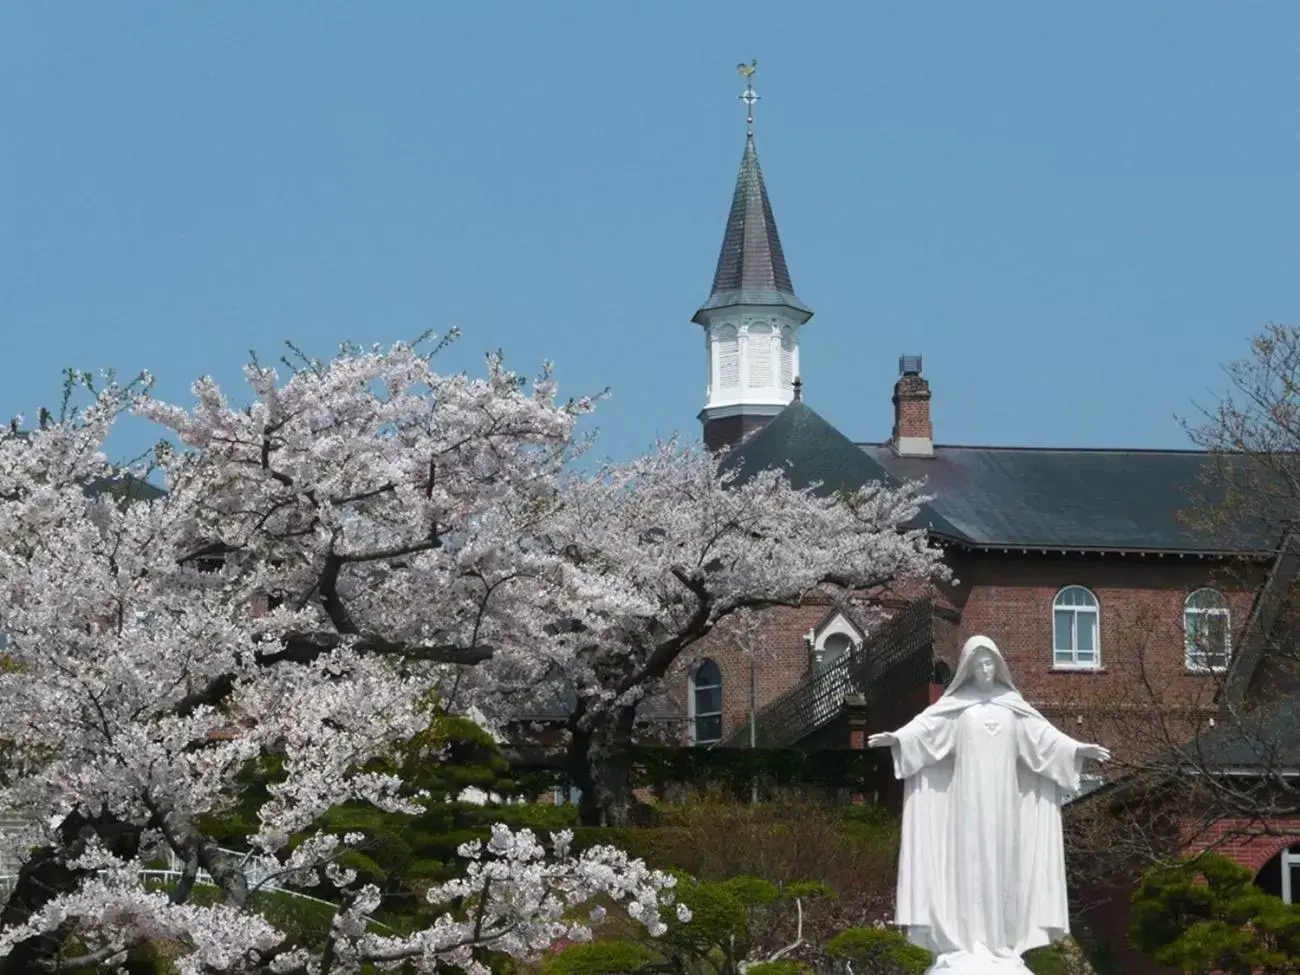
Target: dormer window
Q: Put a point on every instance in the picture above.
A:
(832, 638)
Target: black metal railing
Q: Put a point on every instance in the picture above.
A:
(896, 658)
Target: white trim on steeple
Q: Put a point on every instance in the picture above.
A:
(746, 373)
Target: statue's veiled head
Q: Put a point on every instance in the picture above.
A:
(984, 670)
(981, 667)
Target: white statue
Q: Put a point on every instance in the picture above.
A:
(981, 874)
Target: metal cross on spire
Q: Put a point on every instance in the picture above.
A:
(749, 96)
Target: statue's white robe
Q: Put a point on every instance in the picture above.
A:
(982, 864)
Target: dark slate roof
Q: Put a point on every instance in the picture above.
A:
(811, 451)
(1267, 739)
(1067, 500)
(126, 487)
(751, 266)
(1009, 497)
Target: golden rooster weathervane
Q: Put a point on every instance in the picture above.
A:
(749, 96)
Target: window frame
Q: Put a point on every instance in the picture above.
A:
(1189, 652)
(1290, 857)
(835, 624)
(693, 712)
(1073, 663)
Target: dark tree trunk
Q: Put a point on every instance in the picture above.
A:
(46, 875)
(600, 765)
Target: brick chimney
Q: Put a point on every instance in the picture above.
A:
(913, 435)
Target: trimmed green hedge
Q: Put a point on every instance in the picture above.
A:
(735, 770)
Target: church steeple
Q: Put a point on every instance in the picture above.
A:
(751, 265)
(752, 316)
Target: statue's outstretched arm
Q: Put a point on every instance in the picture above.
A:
(1046, 750)
(923, 741)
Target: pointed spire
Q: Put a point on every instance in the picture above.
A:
(751, 266)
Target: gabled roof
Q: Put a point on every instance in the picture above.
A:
(1069, 499)
(837, 611)
(1046, 500)
(751, 265)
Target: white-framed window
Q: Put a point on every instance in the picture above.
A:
(1076, 629)
(1207, 629)
(833, 647)
(830, 639)
(1280, 876)
(706, 704)
(1290, 865)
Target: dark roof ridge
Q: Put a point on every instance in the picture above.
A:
(1179, 451)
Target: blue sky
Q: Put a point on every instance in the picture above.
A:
(1076, 213)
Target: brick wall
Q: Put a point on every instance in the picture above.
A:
(727, 430)
(1143, 671)
(912, 408)
(782, 660)
(1008, 597)
(1243, 841)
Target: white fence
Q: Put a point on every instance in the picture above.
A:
(259, 871)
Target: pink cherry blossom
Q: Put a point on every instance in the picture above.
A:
(365, 536)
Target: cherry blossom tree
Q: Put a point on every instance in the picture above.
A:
(319, 561)
(366, 536)
(665, 549)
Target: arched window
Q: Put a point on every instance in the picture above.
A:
(1207, 630)
(1281, 875)
(758, 355)
(1076, 629)
(728, 357)
(831, 639)
(835, 646)
(706, 704)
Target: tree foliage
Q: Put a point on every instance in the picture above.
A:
(363, 538)
(1204, 914)
(715, 933)
(879, 951)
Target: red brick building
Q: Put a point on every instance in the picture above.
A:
(1077, 562)
(1121, 621)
